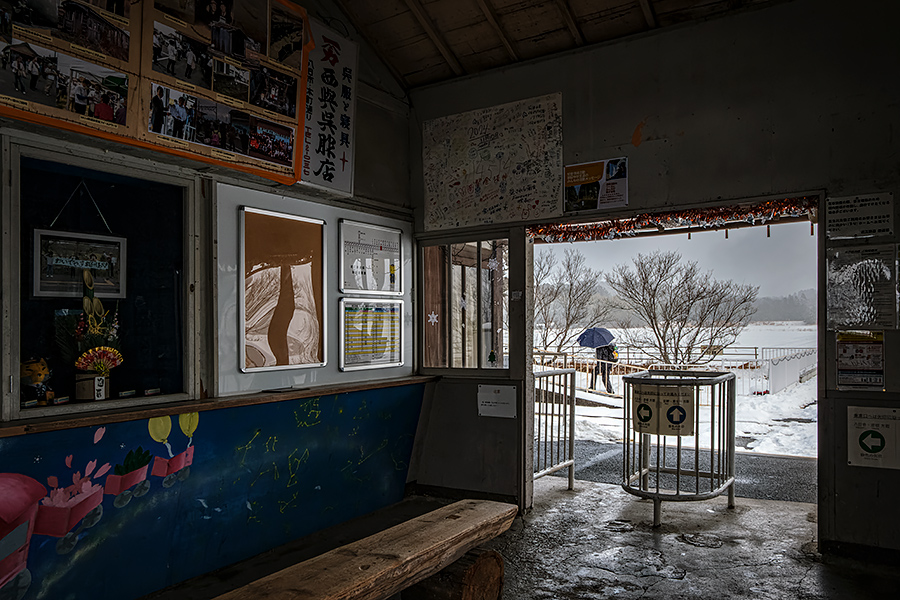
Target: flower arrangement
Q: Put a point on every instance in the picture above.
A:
(89, 338)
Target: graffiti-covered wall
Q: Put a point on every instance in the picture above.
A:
(121, 510)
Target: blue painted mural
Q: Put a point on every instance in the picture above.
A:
(119, 511)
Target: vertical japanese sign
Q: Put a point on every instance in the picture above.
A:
(329, 136)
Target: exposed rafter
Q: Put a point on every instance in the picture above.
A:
(569, 18)
(648, 13)
(425, 21)
(379, 52)
(491, 17)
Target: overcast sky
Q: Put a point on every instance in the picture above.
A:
(780, 265)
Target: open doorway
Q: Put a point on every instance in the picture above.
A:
(581, 282)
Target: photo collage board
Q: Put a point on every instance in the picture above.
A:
(218, 80)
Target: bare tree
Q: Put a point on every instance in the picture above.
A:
(545, 295)
(689, 315)
(565, 300)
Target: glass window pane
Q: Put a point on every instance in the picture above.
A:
(434, 320)
(494, 304)
(463, 305)
(102, 272)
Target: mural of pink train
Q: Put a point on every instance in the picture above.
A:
(27, 508)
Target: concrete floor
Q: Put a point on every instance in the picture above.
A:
(597, 542)
(763, 476)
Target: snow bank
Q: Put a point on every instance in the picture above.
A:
(782, 423)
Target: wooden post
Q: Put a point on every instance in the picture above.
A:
(478, 575)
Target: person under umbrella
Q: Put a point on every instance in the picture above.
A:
(606, 356)
(601, 339)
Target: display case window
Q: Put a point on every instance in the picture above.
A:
(101, 287)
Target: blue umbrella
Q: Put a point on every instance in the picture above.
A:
(595, 337)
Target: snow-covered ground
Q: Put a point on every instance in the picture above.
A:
(782, 423)
(778, 334)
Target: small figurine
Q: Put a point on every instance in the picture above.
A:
(34, 375)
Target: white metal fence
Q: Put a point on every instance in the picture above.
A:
(554, 422)
(756, 370)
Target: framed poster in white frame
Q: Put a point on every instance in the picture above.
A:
(371, 259)
(371, 333)
(282, 292)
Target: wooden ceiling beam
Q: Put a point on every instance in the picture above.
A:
(491, 17)
(569, 18)
(425, 21)
(648, 13)
(379, 52)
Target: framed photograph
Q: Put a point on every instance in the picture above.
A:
(61, 257)
(282, 299)
(371, 259)
(286, 35)
(371, 333)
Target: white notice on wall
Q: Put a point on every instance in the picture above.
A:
(859, 216)
(497, 401)
(872, 437)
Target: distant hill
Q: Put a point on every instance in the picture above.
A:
(800, 306)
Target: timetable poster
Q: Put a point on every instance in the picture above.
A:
(371, 334)
(370, 259)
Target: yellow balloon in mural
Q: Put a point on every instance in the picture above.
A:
(188, 423)
(160, 428)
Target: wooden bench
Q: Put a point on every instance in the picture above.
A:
(383, 564)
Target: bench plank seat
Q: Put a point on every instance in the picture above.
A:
(379, 566)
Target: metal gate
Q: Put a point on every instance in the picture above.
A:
(554, 422)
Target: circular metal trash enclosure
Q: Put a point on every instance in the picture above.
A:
(679, 436)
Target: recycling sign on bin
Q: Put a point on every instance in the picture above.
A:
(872, 437)
(662, 409)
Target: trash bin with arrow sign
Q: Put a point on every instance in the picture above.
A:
(662, 444)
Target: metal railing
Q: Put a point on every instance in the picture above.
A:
(752, 366)
(556, 360)
(554, 422)
(771, 353)
(589, 373)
